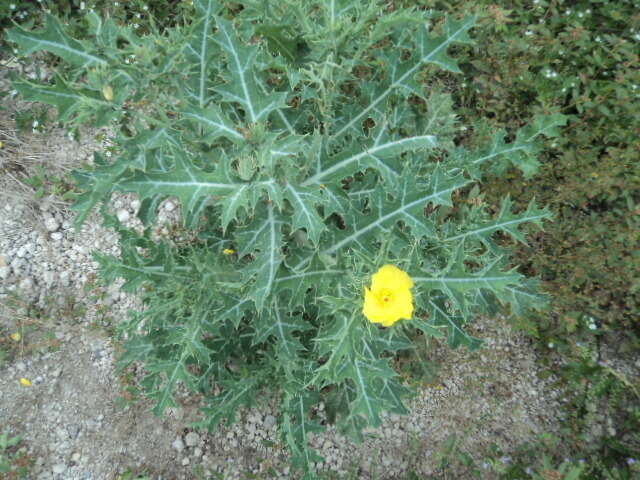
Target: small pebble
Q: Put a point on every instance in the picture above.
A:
(269, 422)
(123, 215)
(178, 444)
(51, 224)
(192, 439)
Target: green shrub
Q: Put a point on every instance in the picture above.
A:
(581, 58)
(305, 155)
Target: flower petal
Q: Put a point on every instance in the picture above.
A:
(390, 276)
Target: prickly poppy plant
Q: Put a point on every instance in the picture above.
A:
(325, 201)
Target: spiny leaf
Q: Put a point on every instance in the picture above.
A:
(455, 281)
(67, 100)
(213, 123)
(201, 49)
(192, 185)
(382, 152)
(431, 49)
(525, 297)
(225, 407)
(506, 222)
(54, 39)
(279, 323)
(243, 87)
(522, 152)
(439, 315)
(305, 215)
(297, 426)
(263, 239)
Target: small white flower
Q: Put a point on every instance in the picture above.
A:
(580, 14)
(528, 33)
(135, 25)
(551, 345)
(145, 8)
(82, 5)
(116, 4)
(35, 124)
(108, 153)
(593, 326)
(13, 93)
(588, 12)
(138, 15)
(12, 6)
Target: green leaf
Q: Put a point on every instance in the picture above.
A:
(279, 323)
(430, 49)
(455, 281)
(365, 373)
(522, 152)
(201, 49)
(225, 407)
(193, 186)
(407, 205)
(440, 316)
(525, 297)
(214, 124)
(305, 215)
(506, 222)
(263, 239)
(97, 186)
(244, 87)
(68, 101)
(297, 426)
(53, 39)
(336, 342)
(381, 153)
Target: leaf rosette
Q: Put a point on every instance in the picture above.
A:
(305, 155)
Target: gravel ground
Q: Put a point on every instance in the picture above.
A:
(77, 420)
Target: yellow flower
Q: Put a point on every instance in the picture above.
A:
(228, 251)
(25, 382)
(390, 297)
(16, 336)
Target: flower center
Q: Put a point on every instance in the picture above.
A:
(385, 297)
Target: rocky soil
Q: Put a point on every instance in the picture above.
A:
(78, 418)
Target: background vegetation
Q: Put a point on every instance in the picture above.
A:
(535, 57)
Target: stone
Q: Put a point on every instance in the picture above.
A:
(269, 422)
(123, 215)
(65, 278)
(197, 452)
(185, 461)
(49, 277)
(51, 224)
(178, 444)
(59, 468)
(135, 204)
(26, 284)
(5, 272)
(192, 439)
